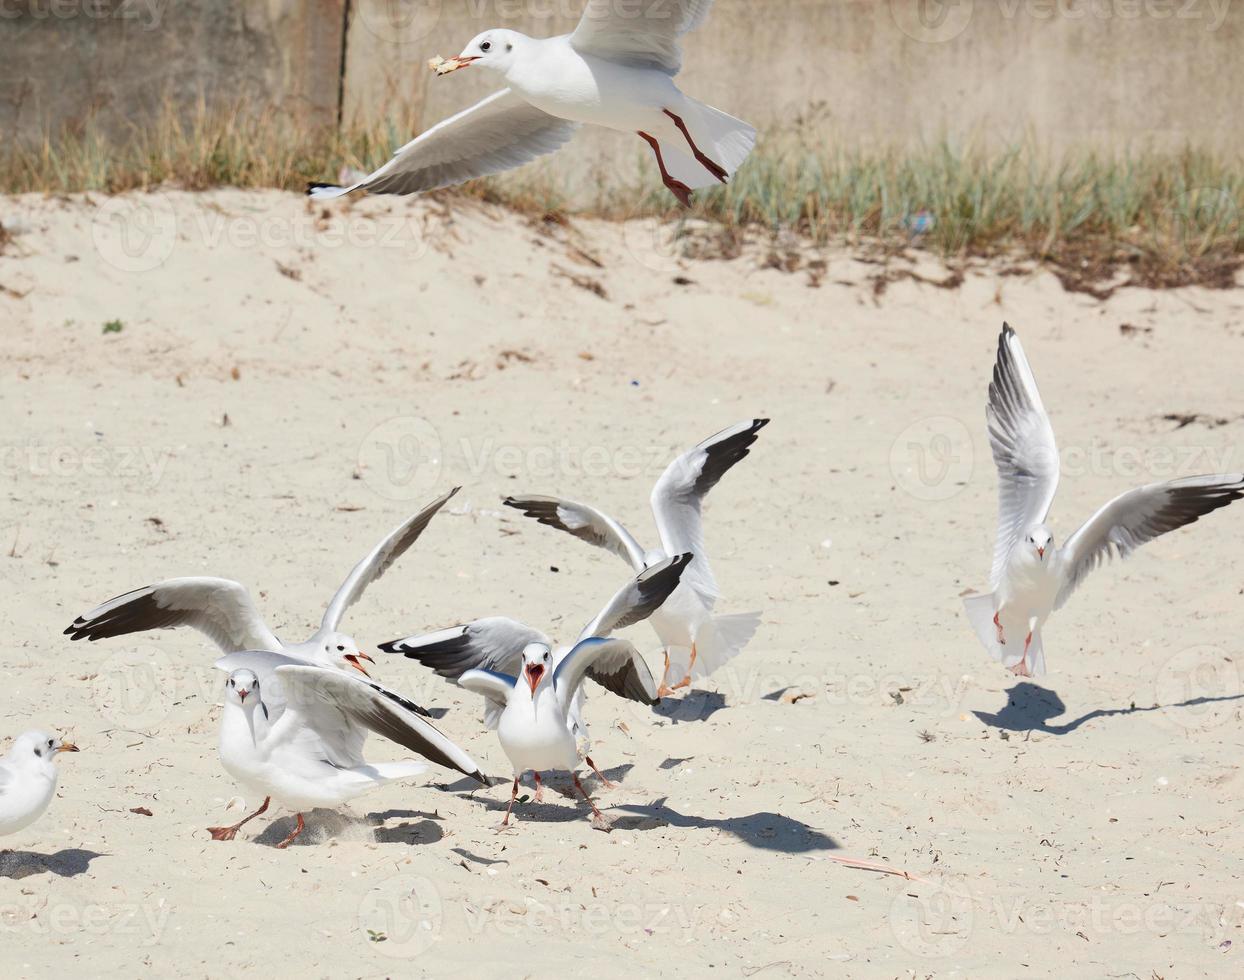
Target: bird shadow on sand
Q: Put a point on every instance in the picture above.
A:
(695, 705)
(765, 831)
(68, 863)
(1030, 708)
(323, 825)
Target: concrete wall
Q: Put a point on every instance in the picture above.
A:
(1069, 72)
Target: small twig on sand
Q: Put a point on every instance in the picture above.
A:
(884, 869)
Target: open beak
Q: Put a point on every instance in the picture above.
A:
(68, 747)
(534, 673)
(242, 695)
(451, 64)
(1040, 552)
(354, 662)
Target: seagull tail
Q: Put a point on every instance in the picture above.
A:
(717, 642)
(722, 138)
(980, 610)
(387, 772)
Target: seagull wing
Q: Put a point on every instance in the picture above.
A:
(643, 35)
(494, 644)
(678, 497)
(584, 522)
(1024, 449)
(378, 561)
(604, 659)
(639, 598)
(333, 704)
(500, 133)
(1137, 517)
(217, 607)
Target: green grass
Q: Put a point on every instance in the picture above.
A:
(1147, 217)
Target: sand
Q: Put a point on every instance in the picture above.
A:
(278, 390)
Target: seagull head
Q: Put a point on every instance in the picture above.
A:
(537, 664)
(493, 49)
(1041, 540)
(242, 687)
(344, 654)
(39, 747)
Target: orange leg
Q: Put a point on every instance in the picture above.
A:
(228, 833)
(513, 797)
(686, 681)
(664, 689)
(1001, 637)
(599, 774)
(677, 187)
(1021, 668)
(539, 797)
(290, 839)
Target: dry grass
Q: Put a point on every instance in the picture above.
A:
(1159, 219)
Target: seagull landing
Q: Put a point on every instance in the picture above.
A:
(1032, 576)
(615, 70)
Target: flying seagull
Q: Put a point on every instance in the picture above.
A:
(615, 70)
(685, 624)
(1031, 577)
(540, 721)
(303, 747)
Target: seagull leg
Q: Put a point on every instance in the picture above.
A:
(713, 168)
(1021, 668)
(504, 825)
(677, 187)
(664, 690)
(686, 681)
(228, 833)
(294, 833)
(598, 818)
(539, 797)
(1001, 637)
(600, 775)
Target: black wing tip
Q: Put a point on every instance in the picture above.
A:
(479, 777)
(393, 646)
(316, 185)
(758, 424)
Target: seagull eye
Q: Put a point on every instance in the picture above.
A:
(340, 648)
(486, 46)
(49, 743)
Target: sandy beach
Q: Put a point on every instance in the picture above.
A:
(237, 384)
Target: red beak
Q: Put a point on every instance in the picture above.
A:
(1041, 552)
(354, 662)
(534, 673)
(242, 694)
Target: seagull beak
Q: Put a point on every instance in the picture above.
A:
(453, 64)
(242, 695)
(354, 662)
(534, 673)
(1040, 552)
(68, 747)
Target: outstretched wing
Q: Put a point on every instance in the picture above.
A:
(604, 659)
(639, 598)
(1137, 517)
(332, 703)
(500, 133)
(378, 561)
(640, 34)
(1024, 449)
(217, 607)
(584, 522)
(678, 497)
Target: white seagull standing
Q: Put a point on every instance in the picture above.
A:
(224, 611)
(303, 747)
(616, 70)
(539, 725)
(685, 624)
(28, 779)
(1031, 577)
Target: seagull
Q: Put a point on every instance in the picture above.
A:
(224, 611)
(686, 622)
(28, 779)
(1031, 577)
(303, 747)
(487, 655)
(615, 70)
